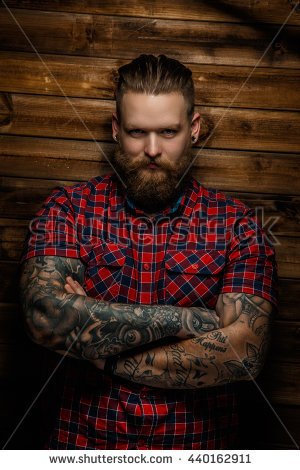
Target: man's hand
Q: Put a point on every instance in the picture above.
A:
(234, 352)
(73, 287)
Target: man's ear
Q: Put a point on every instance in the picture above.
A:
(195, 126)
(115, 125)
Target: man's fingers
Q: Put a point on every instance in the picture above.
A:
(69, 289)
(73, 287)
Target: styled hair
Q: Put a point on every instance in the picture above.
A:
(155, 75)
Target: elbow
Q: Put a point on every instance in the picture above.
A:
(37, 324)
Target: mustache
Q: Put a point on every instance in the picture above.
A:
(140, 162)
(143, 161)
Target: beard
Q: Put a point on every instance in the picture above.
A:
(152, 190)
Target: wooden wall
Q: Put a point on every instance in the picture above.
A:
(58, 61)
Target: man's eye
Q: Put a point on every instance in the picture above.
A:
(136, 132)
(169, 132)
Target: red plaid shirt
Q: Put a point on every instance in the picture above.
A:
(205, 245)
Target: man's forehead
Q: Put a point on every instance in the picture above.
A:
(143, 109)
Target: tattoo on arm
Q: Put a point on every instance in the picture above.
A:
(235, 352)
(91, 328)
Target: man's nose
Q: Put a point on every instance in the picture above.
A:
(152, 146)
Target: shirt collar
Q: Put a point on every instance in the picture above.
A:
(169, 210)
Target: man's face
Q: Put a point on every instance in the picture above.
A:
(155, 148)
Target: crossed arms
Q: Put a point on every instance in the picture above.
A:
(159, 345)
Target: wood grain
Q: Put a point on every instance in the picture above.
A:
(252, 154)
(127, 37)
(289, 299)
(213, 10)
(226, 170)
(288, 257)
(81, 118)
(86, 77)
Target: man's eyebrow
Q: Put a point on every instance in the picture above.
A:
(175, 126)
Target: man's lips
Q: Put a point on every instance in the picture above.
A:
(153, 165)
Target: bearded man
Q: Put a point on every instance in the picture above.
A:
(163, 288)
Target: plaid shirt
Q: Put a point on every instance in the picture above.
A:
(186, 256)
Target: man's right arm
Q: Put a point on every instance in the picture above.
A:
(92, 329)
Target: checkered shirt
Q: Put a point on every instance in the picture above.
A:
(186, 256)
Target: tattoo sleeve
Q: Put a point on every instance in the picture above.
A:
(92, 329)
(234, 352)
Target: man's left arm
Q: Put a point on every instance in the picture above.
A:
(236, 351)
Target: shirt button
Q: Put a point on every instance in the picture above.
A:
(146, 266)
(195, 266)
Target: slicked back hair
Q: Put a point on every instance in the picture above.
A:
(153, 76)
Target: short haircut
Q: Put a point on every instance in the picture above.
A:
(155, 75)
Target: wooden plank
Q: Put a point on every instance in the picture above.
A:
(41, 147)
(247, 171)
(232, 171)
(281, 382)
(12, 236)
(87, 77)
(214, 10)
(22, 197)
(288, 257)
(278, 214)
(80, 118)
(125, 37)
(224, 125)
(289, 299)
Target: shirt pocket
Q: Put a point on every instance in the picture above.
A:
(192, 277)
(103, 274)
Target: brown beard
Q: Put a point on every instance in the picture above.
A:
(152, 190)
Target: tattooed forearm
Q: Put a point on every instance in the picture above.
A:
(235, 352)
(91, 328)
(212, 342)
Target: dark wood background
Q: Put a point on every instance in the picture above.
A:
(58, 62)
